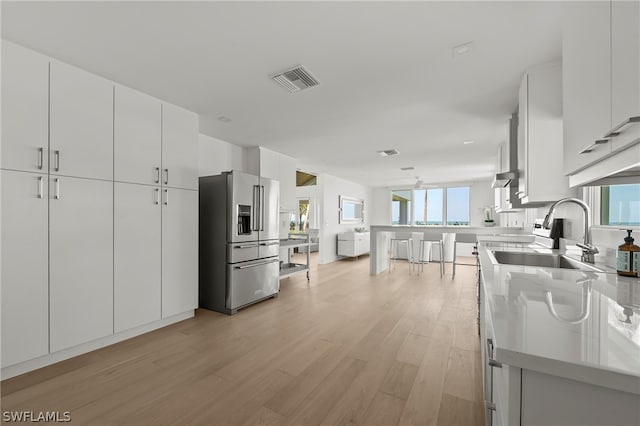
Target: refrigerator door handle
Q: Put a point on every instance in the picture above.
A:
(257, 264)
(262, 207)
(243, 246)
(256, 208)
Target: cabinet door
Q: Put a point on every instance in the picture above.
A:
(25, 109)
(179, 148)
(288, 200)
(523, 135)
(625, 70)
(81, 123)
(24, 266)
(179, 251)
(137, 137)
(81, 261)
(586, 83)
(137, 255)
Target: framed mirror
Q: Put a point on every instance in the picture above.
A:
(351, 210)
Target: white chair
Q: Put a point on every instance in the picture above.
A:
(463, 238)
(399, 239)
(428, 239)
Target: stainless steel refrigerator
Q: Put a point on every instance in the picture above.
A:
(239, 243)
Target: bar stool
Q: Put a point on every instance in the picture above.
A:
(428, 239)
(397, 240)
(463, 238)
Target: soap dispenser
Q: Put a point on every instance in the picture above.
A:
(628, 257)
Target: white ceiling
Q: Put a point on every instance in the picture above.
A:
(388, 78)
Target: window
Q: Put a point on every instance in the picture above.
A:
(430, 206)
(401, 207)
(458, 206)
(620, 205)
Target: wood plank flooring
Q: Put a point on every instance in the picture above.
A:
(345, 349)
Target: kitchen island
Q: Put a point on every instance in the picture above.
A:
(559, 346)
(379, 239)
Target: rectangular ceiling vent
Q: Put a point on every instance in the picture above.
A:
(404, 169)
(295, 79)
(388, 152)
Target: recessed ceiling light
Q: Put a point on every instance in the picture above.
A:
(468, 142)
(224, 119)
(462, 49)
(388, 152)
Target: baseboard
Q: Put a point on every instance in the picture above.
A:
(43, 361)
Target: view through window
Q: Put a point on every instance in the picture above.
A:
(430, 206)
(620, 205)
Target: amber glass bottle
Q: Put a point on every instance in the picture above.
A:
(628, 257)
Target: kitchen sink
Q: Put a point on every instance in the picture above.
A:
(544, 260)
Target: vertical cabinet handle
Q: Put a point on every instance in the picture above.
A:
(262, 208)
(492, 362)
(40, 187)
(157, 180)
(157, 191)
(40, 158)
(166, 197)
(56, 160)
(166, 179)
(56, 190)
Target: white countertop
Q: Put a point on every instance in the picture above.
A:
(586, 339)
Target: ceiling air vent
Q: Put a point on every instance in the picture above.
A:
(404, 169)
(388, 152)
(295, 79)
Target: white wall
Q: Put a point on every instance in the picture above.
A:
(216, 156)
(330, 188)
(380, 211)
(480, 197)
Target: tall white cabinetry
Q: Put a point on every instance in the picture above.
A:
(93, 243)
(24, 209)
(601, 88)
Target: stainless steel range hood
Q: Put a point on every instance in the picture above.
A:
(502, 180)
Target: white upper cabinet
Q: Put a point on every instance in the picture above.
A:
(625, 71)
(586, 82)
(179, 148)
(137, 137)
(25, 109)
(601, 87)
(81, 123)
(540, 168)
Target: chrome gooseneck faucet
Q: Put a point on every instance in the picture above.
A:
(588, 249)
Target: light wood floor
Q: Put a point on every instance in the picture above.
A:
(346, 349)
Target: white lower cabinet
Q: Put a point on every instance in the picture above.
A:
(137, 255)
(24, 266)
(353, 244)
(80, 261)
(179, 251)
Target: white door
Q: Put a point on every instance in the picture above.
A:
(25, 109)
(137, 255)
(625, 70)
(179, 251)
(81, 261)
(179, 148)
(23, 266)
(137, 137)
(81, 123)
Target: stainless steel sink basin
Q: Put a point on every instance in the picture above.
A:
(544, 260)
